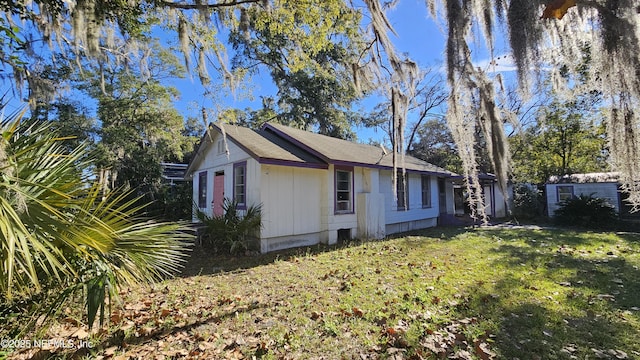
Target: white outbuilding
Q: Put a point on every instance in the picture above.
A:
(603, 185)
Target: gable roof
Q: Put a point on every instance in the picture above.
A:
(282, 145)
(342, 152)
(268, 148)
(263, 146)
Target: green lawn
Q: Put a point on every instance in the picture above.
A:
(442, 293)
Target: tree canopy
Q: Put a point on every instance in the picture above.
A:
(565, 141)
(543, 35)
(315, 87)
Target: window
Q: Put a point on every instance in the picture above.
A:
(220, 147)
(426, 191)
(564, 193)
(202, 190)
(240, 184)
(402, 191)
(344, 184)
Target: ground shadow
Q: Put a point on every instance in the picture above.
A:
(591, 282)
(204, 261)
(119, 339)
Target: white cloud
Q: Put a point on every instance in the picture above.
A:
(497, 64)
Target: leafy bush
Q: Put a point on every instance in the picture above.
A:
(235, 230)
(173, 202)
(586, 211)
(526, 201)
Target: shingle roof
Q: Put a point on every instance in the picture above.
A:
(266, 146)
(600, 177)
(283, 145)
(338, 151)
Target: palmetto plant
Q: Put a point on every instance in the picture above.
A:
(235, 229)
(57, 228)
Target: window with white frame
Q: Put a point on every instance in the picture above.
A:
(240, 184)
(202, 190)
(426, 191)
(344, 191)
(565, 192)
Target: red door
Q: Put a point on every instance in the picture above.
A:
(218, 194)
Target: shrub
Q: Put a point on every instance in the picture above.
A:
(526, 201)
(587, 211)
(235, 230)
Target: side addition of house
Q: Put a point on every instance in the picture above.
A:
(314, 188)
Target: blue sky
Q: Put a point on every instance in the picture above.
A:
(417, 35)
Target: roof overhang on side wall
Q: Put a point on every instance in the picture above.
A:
(333, 161)
(414, 171)
(268, 161)
(483, 178)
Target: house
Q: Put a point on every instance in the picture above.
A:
(314, 188)
(602, 185)
(495, 202)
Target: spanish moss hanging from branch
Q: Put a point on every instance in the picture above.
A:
(396, 77)
(545, 35)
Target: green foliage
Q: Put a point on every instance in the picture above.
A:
(561, 145)
(587, 211)
(60, 232)
(140, 127)
(139, 120)
(72, 119)
(96, 288)
(436, 146)
(568, 138)
(173, 202)
(135, 128)
(235, 230)
(527, 201)
(308, 47)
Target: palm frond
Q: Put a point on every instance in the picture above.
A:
(55, 226)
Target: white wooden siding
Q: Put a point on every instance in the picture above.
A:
(332, 222)
(299, 203)
(608, 191)
(291, 199)
(415, 212)
(214, 162)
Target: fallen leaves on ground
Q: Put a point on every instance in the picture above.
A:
(410, 298)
